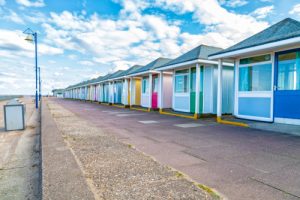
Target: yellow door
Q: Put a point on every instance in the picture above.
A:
(137, 92)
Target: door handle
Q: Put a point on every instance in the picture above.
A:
(274, 87)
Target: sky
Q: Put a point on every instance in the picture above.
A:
(83, 39)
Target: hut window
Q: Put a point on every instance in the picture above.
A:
(256, 59)
(145, 85)
(155, 84)
(255, 78)
(289, 71)
(181, 81)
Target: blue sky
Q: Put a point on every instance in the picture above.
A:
(82, 39)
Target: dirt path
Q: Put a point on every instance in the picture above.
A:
(115, 170)
(19, 161)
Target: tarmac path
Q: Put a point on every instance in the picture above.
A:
(240, 163)
(82, 161)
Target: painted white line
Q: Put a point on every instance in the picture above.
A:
(128, 115)
(149, 122)
(118, 112)
(189, 125)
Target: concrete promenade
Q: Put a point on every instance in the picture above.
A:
(241, 163)
(20, 157)
(62, 177)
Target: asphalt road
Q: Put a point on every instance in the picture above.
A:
(240, 163)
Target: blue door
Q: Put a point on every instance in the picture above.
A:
(287, 85)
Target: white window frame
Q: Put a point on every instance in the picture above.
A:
(254, 94)
(181, 94)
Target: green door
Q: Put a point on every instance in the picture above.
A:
(192, 90)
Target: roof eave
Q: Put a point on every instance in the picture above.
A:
(268, 46)
(204, 61)
(142, 73)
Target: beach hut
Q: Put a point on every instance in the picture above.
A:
(194, 78)
(115, 87)
(267, 74)
(145, 84)
(120, 84)
(126, 93)
(103, 94)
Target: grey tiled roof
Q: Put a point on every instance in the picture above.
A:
(199, 52)
(152, 65)
(132, 70)
(116, 74)
(285, 29)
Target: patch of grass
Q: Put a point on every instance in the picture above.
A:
(208, 190)
(130, 146)
(178, 174)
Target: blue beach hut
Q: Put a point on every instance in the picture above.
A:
(267, 74)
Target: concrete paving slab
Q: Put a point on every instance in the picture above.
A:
(129, 115)
(149, 122)
(252, 189)
(285, 180)
(264, 161)
(189, 125)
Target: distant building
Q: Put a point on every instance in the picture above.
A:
(58, 93)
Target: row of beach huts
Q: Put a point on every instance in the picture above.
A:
(256, 79)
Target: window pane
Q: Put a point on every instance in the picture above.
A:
(155, 84)
(193, 79)
(181, 83)
(255, 59)
(145, 85)
(184, 71)
(255, 78)
(289, 71)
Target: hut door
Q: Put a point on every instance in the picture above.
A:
(154, 92)
(287, 85)
(193, 89)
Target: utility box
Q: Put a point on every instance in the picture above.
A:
(14, 115)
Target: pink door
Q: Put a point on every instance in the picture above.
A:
(154, 92)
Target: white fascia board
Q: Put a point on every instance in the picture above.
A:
(202, 61)
(143, 73)
(267, 46)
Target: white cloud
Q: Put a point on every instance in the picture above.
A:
(129, 39)
(224, 25)
(295, 10)
(14, 17)
(86, 62)
(28, 3)
(52, 61)
(233, 3)
(35, 17)
(12, 44)
(261, 13)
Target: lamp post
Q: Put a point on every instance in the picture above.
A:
(40, 83)
(29, 38)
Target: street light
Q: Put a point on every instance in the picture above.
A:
(40, 83)
(32, 37)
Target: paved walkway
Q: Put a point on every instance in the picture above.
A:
(241, 163)
(62, 177)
